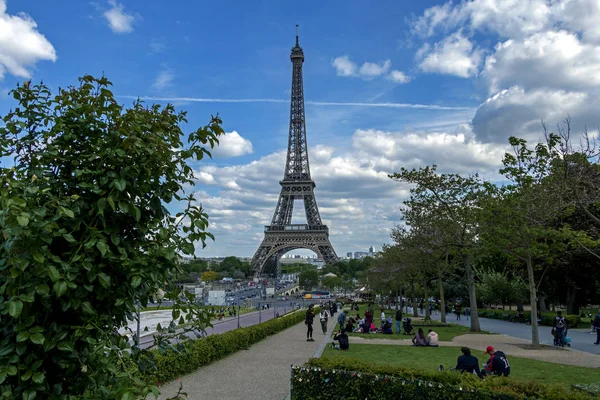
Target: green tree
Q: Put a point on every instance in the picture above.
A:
(209, 276)
(86, 235)
(331, 282)
(516, 216)
(453, 199)
(308, 279)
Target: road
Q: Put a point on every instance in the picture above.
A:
(231, 323)
(581, 341)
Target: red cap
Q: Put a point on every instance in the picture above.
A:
(489, 349)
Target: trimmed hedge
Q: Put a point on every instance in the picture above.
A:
(547, 317)
(327, 378)
(197, 353)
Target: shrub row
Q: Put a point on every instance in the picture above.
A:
(347, 378)
(547, 317)
(171, 364)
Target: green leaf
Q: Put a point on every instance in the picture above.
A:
(29, 394)
(69, 238)
(25, 376)
(69, 213)
(38, 257)
(2, 377)
(101, 204)
(120, 184)
(137, 214)
(38, 377)
(53, 273)
(111, 203)
(136, 281)
(65, 346)
(104, 280)
(60, 287)
(11, 370)
(101, 246)
(27, 298)
(87, 308)
(22, 336)
(37, 338)
(15, 307)
(36, 329)
(23, 220)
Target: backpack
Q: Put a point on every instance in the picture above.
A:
(560, 323)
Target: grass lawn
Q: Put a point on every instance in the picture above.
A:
(445, 333)
(430, 358)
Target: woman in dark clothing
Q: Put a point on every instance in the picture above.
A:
(467, 362)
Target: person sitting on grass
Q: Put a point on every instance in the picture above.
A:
(419, 338)
(497, 364)
(432, 339)
(350, 325)
(386, 329)
(467, 362)
(342, 338)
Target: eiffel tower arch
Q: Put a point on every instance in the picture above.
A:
(281, 235)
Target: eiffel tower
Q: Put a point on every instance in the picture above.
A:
(282, 236)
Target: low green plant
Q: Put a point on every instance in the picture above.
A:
(326, 378)
(166, 365)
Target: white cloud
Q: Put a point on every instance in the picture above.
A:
(518, 112)
(454, 55)
(543, 61)
(555, 59)
(354, 194)
(21, 45)
(163, 80)
(118, 20)
(371, 70)
(231, 144)
(344, 66)
(399, 76)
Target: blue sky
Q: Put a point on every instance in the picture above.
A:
(479, 72)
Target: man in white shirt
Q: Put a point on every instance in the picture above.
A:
(432, 339)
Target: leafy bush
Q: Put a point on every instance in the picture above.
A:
(547, 317)
(348, 378)
(170, 364)
(86, 235)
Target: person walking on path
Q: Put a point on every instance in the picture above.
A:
(596, 323)
(457, 311)
(342, 320)
(399, 321)
(323, 318)
(309, 323)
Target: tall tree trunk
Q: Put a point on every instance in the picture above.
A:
(572, 307)
(542, 303)
(413, 299)
(442, 299)
(398, 300)
(426, 292)
(535, 337)
(472, 295)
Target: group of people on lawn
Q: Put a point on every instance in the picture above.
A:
(497, 364)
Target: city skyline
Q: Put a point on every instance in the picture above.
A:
(398, 85)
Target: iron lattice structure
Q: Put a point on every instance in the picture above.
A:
(282, 236)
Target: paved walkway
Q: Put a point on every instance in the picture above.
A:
(581, 341)
(261, 372)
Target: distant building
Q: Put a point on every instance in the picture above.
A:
(372, 250)
(349, 254)
(360, 254)
(288, 261)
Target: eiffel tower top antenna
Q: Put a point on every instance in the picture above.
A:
(297, 36)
